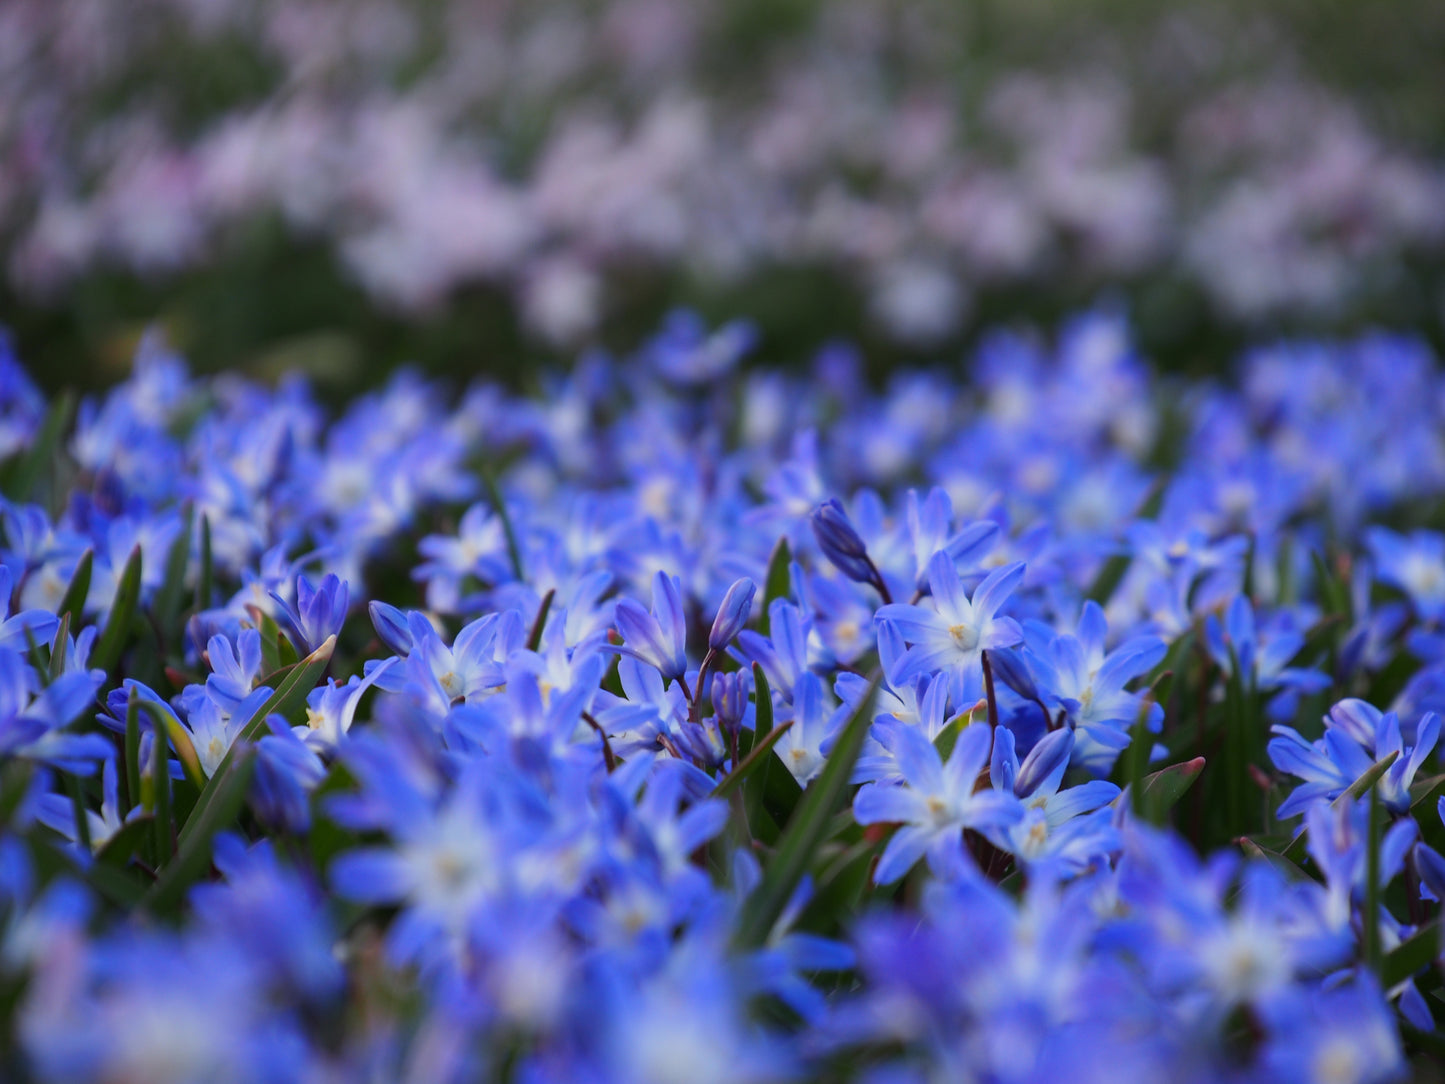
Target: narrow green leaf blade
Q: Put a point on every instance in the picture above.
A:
(194, 857)
(763, 704)
(749, 764)
(132, 749)
(1295, 852)
(58, 645)
(288, 697)
(122, 613)
(72, 603)
(167, 605)
(534, 638)
(203, 575)
(775, 583)
(806, 828)
(185, 748)
(116, 884)
(1160, 790)
(1411, 955)
(119, 848)
(1253, 849)
(755, 788)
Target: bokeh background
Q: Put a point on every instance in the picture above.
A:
(342, 186)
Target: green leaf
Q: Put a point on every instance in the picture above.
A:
(203, 576)
(771, 795)
(1252, 849)
(763, 703)
(328, 839)
(15, 779)
(57, 646)
(289, 696)
(1370, 915)
(755, 789)
(1247, 589)
(132, 750)
(1317, 641)
(1333, 592)
(23, 474)
(119, 885)
(122, 613)
(1160, 790)
(514, 551)
(1296, 851)
(1426, 793)
(534, 638)
(167, 605)
(1367, 779)
(948, 735)
(179, 737)
(805, 829)
(844, 882)
(194, 857)
(270, 639)
(749, 764)
(119, 848)
(81, 810)
(776, 582)
(1164, 676)
(72, 603)
(161, 789)
(1411, 955)
(1239, 731)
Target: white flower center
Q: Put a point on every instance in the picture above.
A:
(938, 809)
(1338, 1063)
(965, 636)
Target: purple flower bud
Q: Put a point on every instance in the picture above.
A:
(391, 627)
(730, 699)
(733, 614)
(840, 542)
(319, 611)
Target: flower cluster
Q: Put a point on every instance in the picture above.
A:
(699, 723)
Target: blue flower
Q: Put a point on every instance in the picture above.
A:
(841, 544)
(952, 636)
(1264, 654)
(1068, 828)
(1345, 1032)
(814, 728)
(930, 530)
(935, 802)
(1073, 672)
(18, 631)
(657, 637)
(733, 614)
(319, 612)
(1357, 736)
(783, 655)
(1414, 564)
(33, 718)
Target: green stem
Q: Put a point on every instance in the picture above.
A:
(1371, 917)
